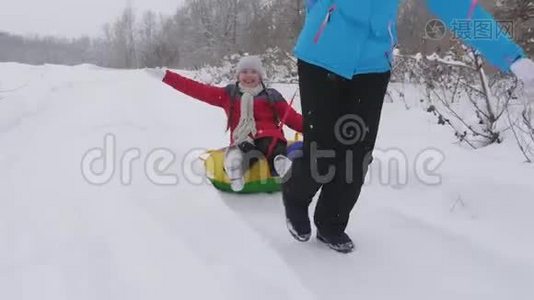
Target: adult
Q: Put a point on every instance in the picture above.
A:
(344, 60)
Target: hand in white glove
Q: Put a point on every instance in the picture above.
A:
(524, 70)
(157, 73)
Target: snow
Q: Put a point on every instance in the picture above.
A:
(468, 237)
(447, 61)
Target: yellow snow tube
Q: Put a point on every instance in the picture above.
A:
(258, 178)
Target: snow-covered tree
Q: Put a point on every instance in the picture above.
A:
(120, 38)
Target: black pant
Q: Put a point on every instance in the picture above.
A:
(260, 148)
(330, 105)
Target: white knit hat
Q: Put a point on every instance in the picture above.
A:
(252, 63)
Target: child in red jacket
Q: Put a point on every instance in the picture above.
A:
(254, 113)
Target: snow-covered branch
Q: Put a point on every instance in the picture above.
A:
(448, 60)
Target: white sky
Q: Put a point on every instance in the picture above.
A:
(70, 18)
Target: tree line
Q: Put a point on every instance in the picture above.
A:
(201, 32)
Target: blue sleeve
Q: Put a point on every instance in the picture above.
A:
(309, 4)
(476, 27)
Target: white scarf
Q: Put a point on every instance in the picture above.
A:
(247, 124)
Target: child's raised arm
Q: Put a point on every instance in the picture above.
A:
(207, 93)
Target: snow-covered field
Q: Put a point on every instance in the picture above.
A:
(467, 237)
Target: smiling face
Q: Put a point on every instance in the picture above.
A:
(249, 78)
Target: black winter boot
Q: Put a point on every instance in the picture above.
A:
(298, 221)
(339, 242)
(300, 230)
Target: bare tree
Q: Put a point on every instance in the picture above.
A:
(120, 37)
(521, 120)
(461, 95)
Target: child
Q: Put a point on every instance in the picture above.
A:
(254, 113)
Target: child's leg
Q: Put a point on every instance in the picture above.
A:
(251, 154)
(280, 148)
(233, 166)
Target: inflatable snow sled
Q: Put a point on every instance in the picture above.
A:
(258, 178)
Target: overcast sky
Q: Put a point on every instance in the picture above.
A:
(70, 18)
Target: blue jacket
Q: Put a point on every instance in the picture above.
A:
(349, 37)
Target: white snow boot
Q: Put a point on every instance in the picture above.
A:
(233, 166)
(282, 165)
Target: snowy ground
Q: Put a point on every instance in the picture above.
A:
(468, 237)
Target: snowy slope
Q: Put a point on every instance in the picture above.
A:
(468, 237)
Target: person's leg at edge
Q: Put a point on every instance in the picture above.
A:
(362, 106)
(319, 89)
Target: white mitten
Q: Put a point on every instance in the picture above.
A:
(524, 70)
(157, 73)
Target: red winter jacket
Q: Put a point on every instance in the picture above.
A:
(267, 105)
